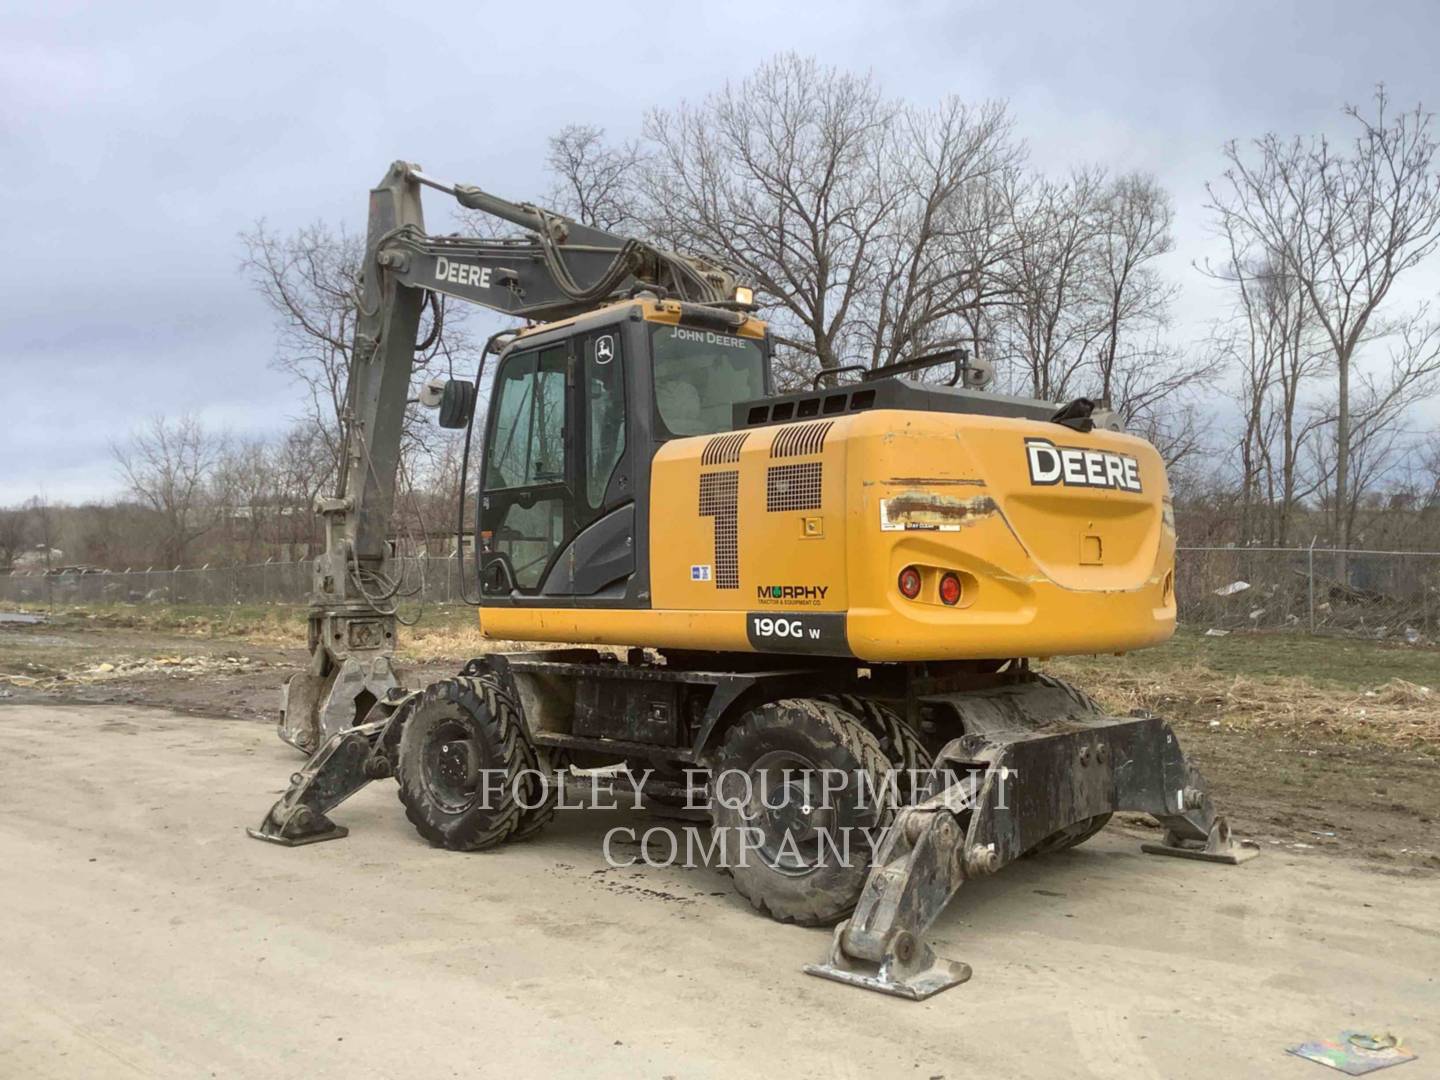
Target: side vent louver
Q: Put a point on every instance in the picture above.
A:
(801, 439)
(723, 449)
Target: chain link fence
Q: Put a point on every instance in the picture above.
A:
(1371, 593)
(1318, 590)
(435, 579)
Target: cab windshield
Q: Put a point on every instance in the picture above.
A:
(700, 375)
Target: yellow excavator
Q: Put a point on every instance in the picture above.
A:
(817, 608)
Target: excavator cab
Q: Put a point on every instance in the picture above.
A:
(576, 415)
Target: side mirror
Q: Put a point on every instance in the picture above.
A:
(457, 403)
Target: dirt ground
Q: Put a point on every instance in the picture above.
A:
(143, 935)
(1330, 763)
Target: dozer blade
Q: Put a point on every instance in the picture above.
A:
(345, 762)
(993, 797)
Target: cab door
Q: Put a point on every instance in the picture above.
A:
(557, 517)
(526, 501)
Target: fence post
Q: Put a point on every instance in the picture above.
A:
(1311, 577)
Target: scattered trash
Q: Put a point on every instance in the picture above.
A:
(177, 667)
(1233, 588)
(1314, 833)
(1212, 632)
(1256, 614)
(1299, 845)
(1412, 636)
(1355, 1053)
(1214, 723)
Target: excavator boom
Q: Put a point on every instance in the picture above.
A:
(560, 269)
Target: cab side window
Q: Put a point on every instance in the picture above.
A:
(528, 446)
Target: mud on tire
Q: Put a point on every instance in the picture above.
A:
(460, 753)
(899, 741)
(805, 883)
(540, 796)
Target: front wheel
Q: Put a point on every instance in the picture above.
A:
(462, 754)
(799, 805)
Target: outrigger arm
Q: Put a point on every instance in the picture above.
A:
(997, 795)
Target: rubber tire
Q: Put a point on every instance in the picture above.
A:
(899, 741)
(491, 719)
(547, 761)
(831, 738)
(1082, 699)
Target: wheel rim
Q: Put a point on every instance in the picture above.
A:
(453, 762)
(786, 798)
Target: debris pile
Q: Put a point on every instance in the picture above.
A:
(1397, 713)
(176, 667)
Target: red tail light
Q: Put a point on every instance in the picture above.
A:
(950, 589)
(909, 583)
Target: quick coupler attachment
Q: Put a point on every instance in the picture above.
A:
(345, 763)
(998, 795)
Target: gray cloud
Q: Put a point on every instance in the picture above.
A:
(139, 139)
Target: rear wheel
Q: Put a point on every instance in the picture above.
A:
(899, 741)
(461, 755)
(795, 808)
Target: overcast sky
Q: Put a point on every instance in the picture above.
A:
(139, 139)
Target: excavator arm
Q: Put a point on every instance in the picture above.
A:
(553, 269)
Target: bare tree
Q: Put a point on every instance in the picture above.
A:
(246, 495)
(1135, 216)
(168, 465)
(310, 280)
(304, 466)
(934, 259)
(595, 182)
(1347, 226)
(15, 532)
(1272, 341)
(1051, 324)
(784, 177)
(1380, 400)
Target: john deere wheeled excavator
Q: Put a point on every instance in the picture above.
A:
(770, 590)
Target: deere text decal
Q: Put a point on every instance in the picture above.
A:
(1074, 466)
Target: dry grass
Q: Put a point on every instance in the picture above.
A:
(259, 624)
(1343, 689)
(1395, 713)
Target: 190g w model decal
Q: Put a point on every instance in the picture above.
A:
(1074, 466)
(804, 632)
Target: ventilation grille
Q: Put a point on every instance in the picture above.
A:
(793, 487)
(800, 440)
(719, 497)
(723, 449)
(801, 408)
